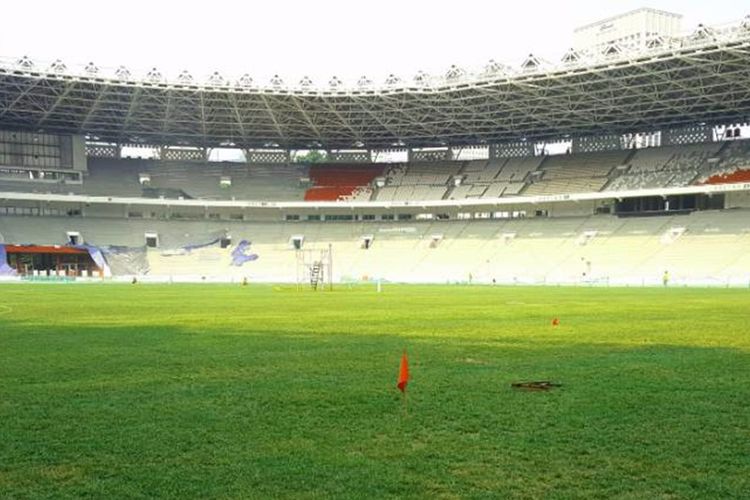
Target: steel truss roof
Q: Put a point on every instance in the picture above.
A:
(700, 80)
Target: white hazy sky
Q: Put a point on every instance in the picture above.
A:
(346, 38)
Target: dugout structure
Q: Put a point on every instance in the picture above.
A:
(35, 261)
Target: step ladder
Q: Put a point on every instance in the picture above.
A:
(316, 274)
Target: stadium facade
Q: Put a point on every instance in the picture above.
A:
(653, 175)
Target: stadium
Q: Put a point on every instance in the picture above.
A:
(209, 286)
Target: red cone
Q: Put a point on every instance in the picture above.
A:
(403, 373)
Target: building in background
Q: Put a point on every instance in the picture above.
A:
(630, 30)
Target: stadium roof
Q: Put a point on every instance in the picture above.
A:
(703, 77)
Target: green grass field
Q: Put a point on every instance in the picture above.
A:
(182, 391)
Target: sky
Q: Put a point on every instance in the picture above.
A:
(346, 38)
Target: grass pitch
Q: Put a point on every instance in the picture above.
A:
(260, 392)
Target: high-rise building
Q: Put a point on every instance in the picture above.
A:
(631, 29)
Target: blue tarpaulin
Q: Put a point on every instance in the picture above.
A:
(241, 254)
(5, 269)
(98, 257)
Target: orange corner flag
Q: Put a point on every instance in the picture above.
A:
(403, 373)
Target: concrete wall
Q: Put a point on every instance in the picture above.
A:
(739, 199)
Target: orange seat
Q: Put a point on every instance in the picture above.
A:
(328, 193)
(736, 176)
(333, 182)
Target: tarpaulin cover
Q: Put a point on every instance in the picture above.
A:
(189, 248)
(98, 257)
(126, 261)
(5, 269)
(241, 254)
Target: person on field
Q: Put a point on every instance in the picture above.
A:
(665, 278)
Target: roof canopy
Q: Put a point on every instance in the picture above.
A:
(45, 249)
(697, 79)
